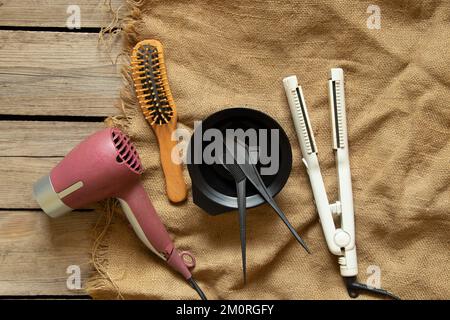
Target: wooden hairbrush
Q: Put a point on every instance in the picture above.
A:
(156, 101)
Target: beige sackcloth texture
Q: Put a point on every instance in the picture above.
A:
(225, 53)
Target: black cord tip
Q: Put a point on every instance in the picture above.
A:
(353, 288)
(195, 286)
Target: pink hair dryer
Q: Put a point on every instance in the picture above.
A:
(106, 165)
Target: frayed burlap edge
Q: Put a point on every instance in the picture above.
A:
(101, 278)
(100, 284)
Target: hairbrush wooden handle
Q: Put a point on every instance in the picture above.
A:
(175, 185)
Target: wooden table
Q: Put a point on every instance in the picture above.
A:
(56, 87)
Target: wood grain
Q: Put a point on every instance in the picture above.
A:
(18, 175)
(53, 73)
(53, 13)
(50, 74)
(35, 251)
(29, 150)
(42, 138)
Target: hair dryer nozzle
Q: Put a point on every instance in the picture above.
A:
(49, 200)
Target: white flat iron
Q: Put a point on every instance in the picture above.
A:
(341, 239)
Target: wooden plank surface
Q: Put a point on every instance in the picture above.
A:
(29, 150)
(35, 251)
(53, 13)
(54, 73)
(18, 176)
(42, 138)
(47, 74)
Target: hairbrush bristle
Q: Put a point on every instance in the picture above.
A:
(150, 79)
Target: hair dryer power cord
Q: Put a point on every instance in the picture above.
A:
(354, 287)
(195, 286)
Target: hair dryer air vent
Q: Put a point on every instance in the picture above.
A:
(126, 152)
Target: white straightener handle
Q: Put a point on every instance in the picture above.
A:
(340, 241)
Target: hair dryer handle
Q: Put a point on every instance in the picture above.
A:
(149, 228)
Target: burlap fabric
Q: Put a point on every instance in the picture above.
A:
(225, 53)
